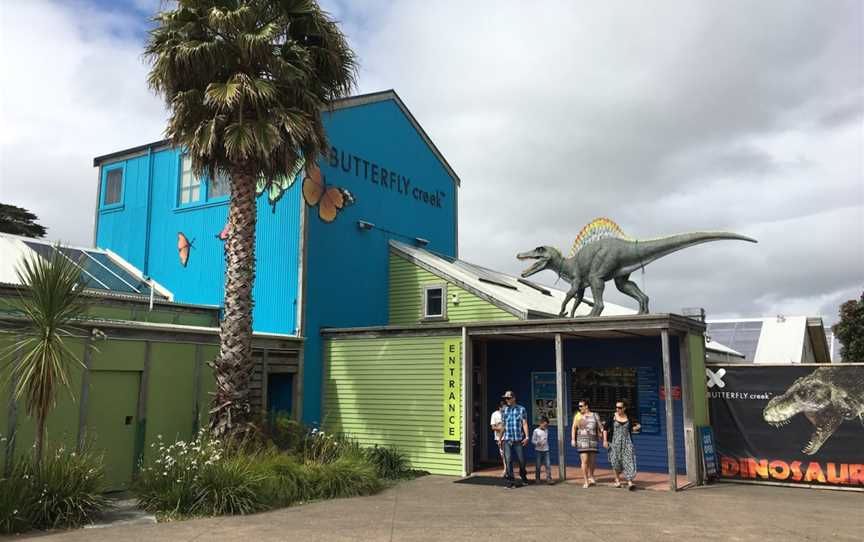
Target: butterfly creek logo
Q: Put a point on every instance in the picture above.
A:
(716, 378)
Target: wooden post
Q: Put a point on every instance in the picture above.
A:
(559, 400)
(85, 395)
(670, 415)
(691, 448)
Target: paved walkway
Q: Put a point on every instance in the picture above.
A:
(436, 508)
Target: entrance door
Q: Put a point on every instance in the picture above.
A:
(112, 418)
(280, 393)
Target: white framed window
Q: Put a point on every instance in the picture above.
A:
(113, 187)
(435, 302)
(190, 185)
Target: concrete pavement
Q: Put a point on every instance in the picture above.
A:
(436, 508)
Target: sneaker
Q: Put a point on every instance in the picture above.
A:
(631, 487)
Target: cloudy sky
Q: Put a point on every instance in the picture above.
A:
(666, 116)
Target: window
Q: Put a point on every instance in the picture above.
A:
(190, 185)
(112, 187)
(197, 190)
(434, 302)
(219, 187)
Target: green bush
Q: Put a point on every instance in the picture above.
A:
(390, 463)
(207, 477)
(286, 434)
(344, 477)
(229, 487)
(63, 491)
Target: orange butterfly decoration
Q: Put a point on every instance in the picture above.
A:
(329, 199)
(184, 245)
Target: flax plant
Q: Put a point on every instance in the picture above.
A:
(39, 358)
(245, 82)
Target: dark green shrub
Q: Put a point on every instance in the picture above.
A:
(229, 487)
(15, 491)
(286, 434)
(344, 477)
(285, 481)
(323, 448)
(390, 463)
(63, 491)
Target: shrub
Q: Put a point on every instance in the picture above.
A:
(344, 477)
(62, 491)
(390, 463)
(168, 484)
(321, 447)
(286, 434)
(230, 486)
(285, 481)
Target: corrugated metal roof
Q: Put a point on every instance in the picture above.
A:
(526, 299)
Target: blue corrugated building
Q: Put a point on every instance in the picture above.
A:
(309, 273)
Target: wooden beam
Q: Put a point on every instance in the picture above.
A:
(670, 414)
(691, 448)
(85, 394)
(560, 396)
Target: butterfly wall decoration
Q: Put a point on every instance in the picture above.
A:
(329, 199)
(184, 246)
(276, 188)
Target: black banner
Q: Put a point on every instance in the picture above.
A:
(796, 424)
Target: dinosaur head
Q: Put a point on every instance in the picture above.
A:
(815, 399)
(544, 256)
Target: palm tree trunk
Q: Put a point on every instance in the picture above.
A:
(39, 439)
(230, 409)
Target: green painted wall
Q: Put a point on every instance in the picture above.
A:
(406, 292)
(171, 393)
(389, 392)
(696, 349)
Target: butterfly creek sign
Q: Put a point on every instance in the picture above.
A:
(387, 179)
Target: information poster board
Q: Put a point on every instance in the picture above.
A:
(543, 400)
(709, 454)
(648, 391)
(602, 387)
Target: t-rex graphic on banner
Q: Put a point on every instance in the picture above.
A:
(826, 397)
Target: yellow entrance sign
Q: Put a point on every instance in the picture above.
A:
(453, 390)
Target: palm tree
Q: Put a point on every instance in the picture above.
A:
(51, 301)
(245, 82)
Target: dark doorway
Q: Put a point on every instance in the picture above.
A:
(280, 393)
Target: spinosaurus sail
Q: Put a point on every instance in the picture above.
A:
(603, 252)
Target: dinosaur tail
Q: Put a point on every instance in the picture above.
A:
(645, 252)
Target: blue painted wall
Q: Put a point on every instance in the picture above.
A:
(346, 267)
(124, 230)
(510, 364)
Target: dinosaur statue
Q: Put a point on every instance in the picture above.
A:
(827, 396)
(602, 252)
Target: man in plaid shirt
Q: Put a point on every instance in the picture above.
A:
(515, 420)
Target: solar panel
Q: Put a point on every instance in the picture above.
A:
(487, 275)
(98, 270)
(534, 285)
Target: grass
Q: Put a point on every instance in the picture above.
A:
(63, 491)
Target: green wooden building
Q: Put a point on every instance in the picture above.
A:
(459, 335)
(144, 374)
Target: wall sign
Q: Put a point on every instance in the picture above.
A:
(543, 397)
(648, 386)
(452, 395)
(789, 423)
(385, 178)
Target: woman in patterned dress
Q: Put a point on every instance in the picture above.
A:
(621, 454)
(585, 436)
